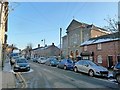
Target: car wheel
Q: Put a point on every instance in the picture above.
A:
(118, 78)
(65, 67)
(91, 73)
(75, 69)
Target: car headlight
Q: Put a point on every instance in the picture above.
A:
(16, 65)
(28, 66)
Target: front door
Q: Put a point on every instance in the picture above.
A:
(110, 61)
(118, 58)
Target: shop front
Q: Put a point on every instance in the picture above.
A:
(87, 55)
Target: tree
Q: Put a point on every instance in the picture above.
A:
(28, 50)
(112, 24)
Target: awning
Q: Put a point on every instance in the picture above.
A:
(86, 53)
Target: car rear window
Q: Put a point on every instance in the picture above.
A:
(69, 61)
(21, 61)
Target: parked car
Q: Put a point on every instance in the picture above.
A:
(116, 72)
(42, 60)
(66, 64)
(91, 68)
(21, 65)
(35, 59)
(13, 59)
(52, 62)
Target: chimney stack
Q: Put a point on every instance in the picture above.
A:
(53, 44)
(38, 45)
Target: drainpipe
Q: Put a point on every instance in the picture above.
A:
(1, 9)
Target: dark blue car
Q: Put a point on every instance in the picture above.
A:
(66, 64)
(116, 72)
(52, 62)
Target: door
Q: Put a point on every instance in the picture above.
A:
(85, 67)
(118, 58)
(110, 61)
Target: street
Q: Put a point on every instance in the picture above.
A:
(44, 76)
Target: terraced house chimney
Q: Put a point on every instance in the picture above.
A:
(38, 45)
(53, 44)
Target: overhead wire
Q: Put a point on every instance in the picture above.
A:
(74, 12)
(31, 21)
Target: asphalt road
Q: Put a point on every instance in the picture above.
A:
(44, 76)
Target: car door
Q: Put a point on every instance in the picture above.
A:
(85, 67)
(61, 63)
(79, 65)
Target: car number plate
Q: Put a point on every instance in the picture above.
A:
(22, 67)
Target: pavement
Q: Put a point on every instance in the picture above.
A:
(7, 76)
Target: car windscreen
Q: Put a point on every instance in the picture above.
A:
(92, 63)
(21, 61)
(69, 61)
(15, 57)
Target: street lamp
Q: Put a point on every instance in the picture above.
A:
(43, 40)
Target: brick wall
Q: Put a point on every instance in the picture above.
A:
(108, 49)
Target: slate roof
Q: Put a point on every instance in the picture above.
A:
(102, 39)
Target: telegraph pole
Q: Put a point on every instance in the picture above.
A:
(60, 42)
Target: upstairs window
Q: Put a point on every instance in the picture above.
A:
(99, 47)
(99, 59)
(85, 48)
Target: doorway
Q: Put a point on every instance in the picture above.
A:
(110, 61)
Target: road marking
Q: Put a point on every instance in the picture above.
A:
(22, 80)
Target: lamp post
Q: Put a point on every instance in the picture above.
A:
(43, 40)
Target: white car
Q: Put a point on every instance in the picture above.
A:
(42, 60)
(91, 68)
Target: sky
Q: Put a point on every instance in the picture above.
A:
(30, 22)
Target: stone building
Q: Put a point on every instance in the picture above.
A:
(77, 33)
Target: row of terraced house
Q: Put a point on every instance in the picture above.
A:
(91, 42)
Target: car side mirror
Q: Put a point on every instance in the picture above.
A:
(87, 65)
(112, 67)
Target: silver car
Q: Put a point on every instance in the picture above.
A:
(42, 60)
(91, 68)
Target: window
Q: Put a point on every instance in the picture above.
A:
(85, 57)
(85, 48)
(99, 59)
(118, 58)
(99, 46)
(91, 58)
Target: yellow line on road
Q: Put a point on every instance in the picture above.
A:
(23, 80)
